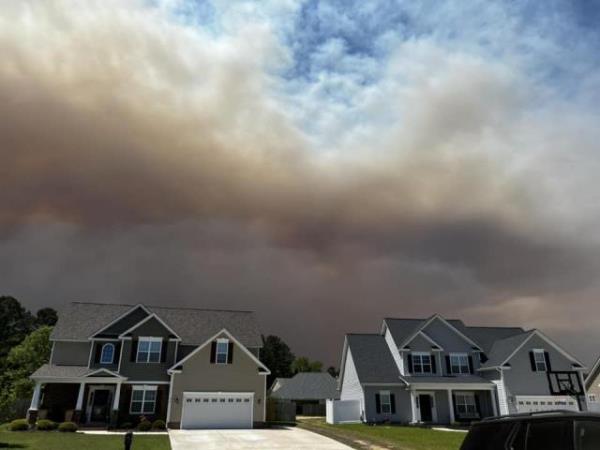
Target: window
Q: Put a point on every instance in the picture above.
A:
(587, 434)
(108, 354)
(421, 363)
(592, 398)
(222, 351)
(459, 363)
(143, 400)
(386, 402)
(550, 435)
(465, 405)
(539, 358)
(149, 349)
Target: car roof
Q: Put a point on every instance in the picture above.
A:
(542, 415)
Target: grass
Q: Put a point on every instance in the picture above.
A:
(53, 440)
(396, 437)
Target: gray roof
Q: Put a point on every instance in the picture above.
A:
(457, 379)
(504, 347)
(307, 386)
(487, 336)
(372, 358)
(78, 321)
(53, 371)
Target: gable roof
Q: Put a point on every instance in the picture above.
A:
(372, 358)
(78, 321)
(503, 348)
(307, 386)
(591, 377)
(487, 336)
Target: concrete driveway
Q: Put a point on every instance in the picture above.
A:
(267, 439)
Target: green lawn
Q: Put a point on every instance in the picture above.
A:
(395, 437)
(53, 440)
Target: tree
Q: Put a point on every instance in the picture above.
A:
(278, 357)
(303, 364)
(46, 316)
(333, 371)
(15, 323)
(21, 362)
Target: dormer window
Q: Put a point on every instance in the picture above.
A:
(222, 351)
(108, 354)
(149, 349)
(422, 363)
(459, 364)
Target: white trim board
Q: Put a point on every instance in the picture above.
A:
(212, 338)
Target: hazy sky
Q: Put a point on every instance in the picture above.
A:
(325, 163)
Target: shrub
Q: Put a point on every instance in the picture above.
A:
(67, 427)
(145, 425)
(46, 425)
(127, 426)
(159, 425)
(19, 425)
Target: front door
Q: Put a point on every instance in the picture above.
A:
(100, 405)
(425, 407)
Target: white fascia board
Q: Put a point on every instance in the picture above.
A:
(116, 375)
(212, 338)
(454, 386)
(444, 321)
(133, 308)
(146, 319)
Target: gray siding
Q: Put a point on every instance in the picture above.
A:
(403, 406)
(147, 371)
(125, 323)
(67, 353)
(96, 354)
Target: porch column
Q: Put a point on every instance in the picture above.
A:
(35, 399)
(117, 397)
(494, 405)
(79, 405)
(413, 403)
(451, 406)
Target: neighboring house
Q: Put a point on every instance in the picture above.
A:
(441, 371)
(592, 385)
(307, 390)
(193, 368)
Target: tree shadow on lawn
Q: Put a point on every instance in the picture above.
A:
(5, 445)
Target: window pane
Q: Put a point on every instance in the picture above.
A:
(150, 395)
(142, 356)
(138, 395)
(222, 347)
(155, 346)
(554, 435)
(221, 358)
(143, 346)
(154, 357)
(136, 407)
(588, 434)
(149, 407)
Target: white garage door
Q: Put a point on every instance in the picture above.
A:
(217, 410)
(533, 403)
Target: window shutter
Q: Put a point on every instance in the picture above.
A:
(547, 358)
(410, 363)
(117, 355)
(163, 350)
(448, 368)
(213, 352)
(230, 353)
(378, 403)
(470, 364)
(98, 352)
(134, 346)
(393, 403)
(477, 404)
(532, 360)
(433, 368)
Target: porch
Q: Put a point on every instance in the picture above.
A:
(452, 405)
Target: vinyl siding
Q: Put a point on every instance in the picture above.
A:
(403, 406)
(398, 357)
(351, 388)
(67, 353)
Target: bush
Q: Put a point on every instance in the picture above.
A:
(145, 425)
(67, 427)
(159, 425)
(46, 425)
(127, 426)
(19, 425)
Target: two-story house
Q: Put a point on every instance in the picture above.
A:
(193, 368)
(440, 371)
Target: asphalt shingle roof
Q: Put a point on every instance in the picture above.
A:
(504, 347)
(307, 386)
(78, 321)
(372, 358)
(53, 371)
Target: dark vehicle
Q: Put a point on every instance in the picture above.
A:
(552, 430)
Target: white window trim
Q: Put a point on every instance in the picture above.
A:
(222, 341)
(540, 351)
(112, 359)
(420, 355)
(466, 404)
(459, 355)
(148, 339)
(388, 396)
(144, 388)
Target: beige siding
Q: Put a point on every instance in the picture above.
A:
(199, 375)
